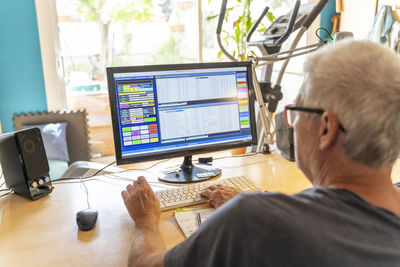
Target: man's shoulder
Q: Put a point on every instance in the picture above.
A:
(313, 201)
(264, 207)
(325, 203)
(307, 197)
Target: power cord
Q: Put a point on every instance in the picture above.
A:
(239, 156)
(1, 177)
(9, 191)
(144, 169)
(319, 35)
(3, 195)
(66, 180)
(110, 176)
(90, 176)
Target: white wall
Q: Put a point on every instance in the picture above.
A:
(358, 17)
(51, 54)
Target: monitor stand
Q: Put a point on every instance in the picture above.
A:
(189, 172)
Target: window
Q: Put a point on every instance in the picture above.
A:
(134, 32)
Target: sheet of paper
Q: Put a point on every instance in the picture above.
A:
(188, 219)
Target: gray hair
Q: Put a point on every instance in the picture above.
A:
(359, 81)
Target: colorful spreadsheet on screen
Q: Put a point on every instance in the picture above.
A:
(137, 135)
(137, 107)
(171, 110)
(243, 100)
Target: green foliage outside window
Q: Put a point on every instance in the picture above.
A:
(107, 12)
(241, 24)
(168, 52)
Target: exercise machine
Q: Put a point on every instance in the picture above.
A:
(268, 95)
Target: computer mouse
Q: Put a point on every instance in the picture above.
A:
(86, 219)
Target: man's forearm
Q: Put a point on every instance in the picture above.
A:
(147, 247)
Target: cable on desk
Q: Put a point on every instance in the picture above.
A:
(1, 176)
(196, 160)
(145, 169)
(1, 190)
(3, 195)
(90, 176)
(239, 156)
(86, 190)
(82, 182)
(99, 171)
(110, 176)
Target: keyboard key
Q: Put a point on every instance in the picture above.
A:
(188, 195)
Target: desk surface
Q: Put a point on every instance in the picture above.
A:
(44, 232)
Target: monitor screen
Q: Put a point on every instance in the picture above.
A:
(164, 111)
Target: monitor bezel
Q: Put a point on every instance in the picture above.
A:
(115, 120)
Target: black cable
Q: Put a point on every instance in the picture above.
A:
(126, 170)
(4, 189)
(1, 176)
(239, 156)
(113, 177)
(84, 178)
(93, 176)
(7, 193)
(325, 30)
(145, 169)
(90, 176)
(82, 182)
(99, 171)
(1, 190)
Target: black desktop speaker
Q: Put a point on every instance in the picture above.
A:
(24, 163)
(284, 137)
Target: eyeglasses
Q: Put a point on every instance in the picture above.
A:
(291, 115)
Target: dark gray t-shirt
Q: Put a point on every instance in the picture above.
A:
(317, 227)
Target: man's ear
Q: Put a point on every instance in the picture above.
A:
(329, 130)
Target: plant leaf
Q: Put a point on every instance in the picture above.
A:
(270, 16)
(211, 17)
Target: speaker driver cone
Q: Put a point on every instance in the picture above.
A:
(29, 146)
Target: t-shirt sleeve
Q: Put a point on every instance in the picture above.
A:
(213, 243)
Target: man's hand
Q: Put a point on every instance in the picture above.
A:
(143, 206)
(219, 194)
(141, 203)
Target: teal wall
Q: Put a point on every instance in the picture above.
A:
(326, 15)
(21, 75)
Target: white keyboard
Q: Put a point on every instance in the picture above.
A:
(188, 195)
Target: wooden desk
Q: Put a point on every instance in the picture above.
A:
(44, 232)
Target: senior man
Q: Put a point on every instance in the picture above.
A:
(346, 121)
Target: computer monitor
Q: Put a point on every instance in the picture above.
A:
(165, 111)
